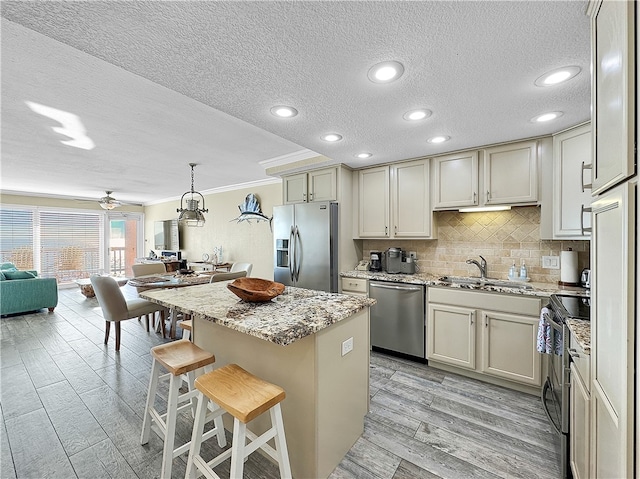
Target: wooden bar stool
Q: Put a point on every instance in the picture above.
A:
(186, 327)
(245, 397)
(179, 358)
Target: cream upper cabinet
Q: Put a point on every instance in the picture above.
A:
(500, 175)
(511, 174)
(485, 333)
(612, 89)
(373, 204)
(572, 160)
(317, 185)
(455, 182)
(394, 201)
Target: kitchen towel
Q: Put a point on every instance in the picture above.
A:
(548, 342)
(569, 267)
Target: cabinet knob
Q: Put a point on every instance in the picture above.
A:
(573, 353)
(488, 196)
(471, 316)
(310, 196)
(475, 196)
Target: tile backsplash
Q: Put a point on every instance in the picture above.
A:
(502, 237)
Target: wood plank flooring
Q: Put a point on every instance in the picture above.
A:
(72, 407)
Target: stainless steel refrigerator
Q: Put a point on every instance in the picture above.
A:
(306, 245)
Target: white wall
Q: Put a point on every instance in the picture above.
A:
(241, 242)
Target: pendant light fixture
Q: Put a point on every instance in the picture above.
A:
(192, 215)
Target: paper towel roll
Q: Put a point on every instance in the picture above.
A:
(569, 267)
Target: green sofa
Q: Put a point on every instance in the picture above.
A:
(22, 291)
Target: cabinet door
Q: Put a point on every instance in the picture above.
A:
(511, 174)
(509, 347)
(613, 250)
(323, 185)
(612, 89)
(579, 426)
(295, 188)
(571, 150)
(451, 335)
(411, 211)
(374, 202)
(456, 180)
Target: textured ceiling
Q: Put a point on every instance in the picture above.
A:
(162, 84)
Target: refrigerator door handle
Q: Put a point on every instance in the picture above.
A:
(295, 254)
(291, 253)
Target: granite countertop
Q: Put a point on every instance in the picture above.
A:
(428, 279)
(293, 315)
(581, 331)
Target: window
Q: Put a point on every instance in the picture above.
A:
(16, 237)
(69, 244)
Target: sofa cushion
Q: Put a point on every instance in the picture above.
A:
(18, 274)
(4, 266)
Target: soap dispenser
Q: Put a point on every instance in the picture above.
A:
(523, 272)
(513, 272)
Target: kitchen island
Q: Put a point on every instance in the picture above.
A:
(296, 341)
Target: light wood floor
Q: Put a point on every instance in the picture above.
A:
(72, 407)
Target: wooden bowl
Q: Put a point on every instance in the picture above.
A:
(255, 289)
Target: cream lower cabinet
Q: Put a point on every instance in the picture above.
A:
(394, 201)
(354, 286)
(463, 332)
(580, 408)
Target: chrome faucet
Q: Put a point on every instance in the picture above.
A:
(482, 266)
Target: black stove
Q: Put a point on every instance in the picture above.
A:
(566, 306)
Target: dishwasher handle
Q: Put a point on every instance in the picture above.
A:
(392, 286)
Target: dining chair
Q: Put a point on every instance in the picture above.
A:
(143, 269)
(226, 276)
(116, 308)
(241, 267)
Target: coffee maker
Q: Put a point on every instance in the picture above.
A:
(376, 261)
(397, 262)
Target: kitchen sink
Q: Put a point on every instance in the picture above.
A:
(474, 281)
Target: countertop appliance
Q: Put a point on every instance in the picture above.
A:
(397, 320)
(397, 262)
(585, 278)
(306, 245)
(376, 261)
(555, 393)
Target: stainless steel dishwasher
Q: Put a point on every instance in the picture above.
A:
(398, 318)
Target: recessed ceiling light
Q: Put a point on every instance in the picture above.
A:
(557, 76)
(282, 111)
(438, 139)
(546, 117)
(385, 72)
(332, 137)
(415, 115)
(364, 156)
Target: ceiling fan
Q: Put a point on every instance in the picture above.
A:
(109, 202)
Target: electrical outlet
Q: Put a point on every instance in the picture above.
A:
(347, 346)
(413, 254)
(551, 262)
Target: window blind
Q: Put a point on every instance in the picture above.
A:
(16, 237)
(70, 244)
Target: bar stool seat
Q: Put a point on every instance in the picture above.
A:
(179, 358)
(245, 397)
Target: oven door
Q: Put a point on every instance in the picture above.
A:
(553, 392)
